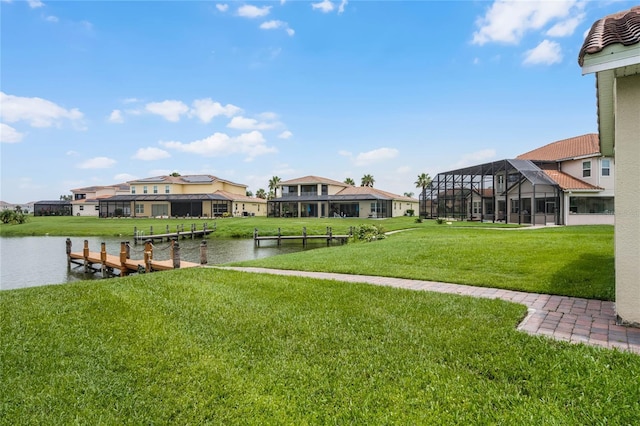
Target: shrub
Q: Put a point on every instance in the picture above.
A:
(369, 233)
(418, 220)
(410, 212)
(439, 221)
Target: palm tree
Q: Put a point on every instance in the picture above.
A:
(423, 181)
(408, 194)
(261, 193)
(249, 193)
(367, 180)
(273, 186)
(349, 181)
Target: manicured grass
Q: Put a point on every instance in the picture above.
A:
(74, 226)
(573, 261)
(209, 346)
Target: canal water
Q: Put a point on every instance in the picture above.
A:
(36, 261)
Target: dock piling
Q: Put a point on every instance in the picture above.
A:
(68, 249)
(85, 255)
(148, 255)
(203, 252)
(103, 259)
(176, 254)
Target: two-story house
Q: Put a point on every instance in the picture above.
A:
(85, 201)
(191, 195)
(313, 196)
(568, 182)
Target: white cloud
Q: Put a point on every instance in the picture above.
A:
(124, 177)
(250, 11)
(275, 24)
(34, 4)
(285, 135)
(343, 4)
(244, 123)
(251, 144)
(290, 32)
(150, 154)
(222, 7)
(375, 156)
(325, 6)
(345, 153)
(507, 21)
(9, 135)
(51, 18)
(547, 53)
(170, 110)
(97, 163)
(207, 109)
(567, 27)
(37, 111)
(130, 100)
(475, 158)
(116, 116)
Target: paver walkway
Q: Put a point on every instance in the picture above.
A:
(565, 318)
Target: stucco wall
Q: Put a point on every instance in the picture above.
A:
(627, 231)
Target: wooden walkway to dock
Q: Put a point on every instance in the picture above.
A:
(107, 263)
(329, 237)
(191, 233)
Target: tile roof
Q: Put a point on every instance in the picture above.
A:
(622, 27)
(368, 190)
(241, 198)
(570, 183)
(310, 180)
(576, 147)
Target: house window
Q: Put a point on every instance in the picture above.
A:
(477, 207)
(591, 205)
(515, 206)
(81, 207)
(166, 189)
(144, 189)
(133, 189)
(155, 189)
(606, 167)
(139, 208)
(586, 169)
(97, 207)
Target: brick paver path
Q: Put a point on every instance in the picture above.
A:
(571, 319)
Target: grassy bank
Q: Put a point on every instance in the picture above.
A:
(573, 261)
(207, 346)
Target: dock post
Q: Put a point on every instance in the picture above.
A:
(151, 230)
(203, 252)
(193, 230)
(256, 241)
(103, 259)
(330, 234)
(176, 254)
(304, 236)
(85, 254)
(135, 235)
(123, 259)
(279, 236)
(68, 243)
(148, 255)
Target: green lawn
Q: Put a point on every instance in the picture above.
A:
(223, 347)
(573, 261)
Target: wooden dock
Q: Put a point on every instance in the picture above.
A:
(107, 263)
(191, 233)
(329, 237)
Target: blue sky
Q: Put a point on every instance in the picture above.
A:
(98, 93)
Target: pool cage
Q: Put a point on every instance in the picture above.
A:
(509, 191)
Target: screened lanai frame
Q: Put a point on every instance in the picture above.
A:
(482, 192)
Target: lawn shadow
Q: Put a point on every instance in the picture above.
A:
(592, 276)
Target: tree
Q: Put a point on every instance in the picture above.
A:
(66, 197)
(408, 194)
(249, 193)
(261, 193)
(175, 174)
(349, 181)
(367, 180)
(273, 186)
(423, 181)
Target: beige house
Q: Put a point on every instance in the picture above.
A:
(183, 196)
(611, 51)
(313, 196)
(86, 200)
(567, 182)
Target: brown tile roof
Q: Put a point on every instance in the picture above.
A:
(622, 27)
(368, 190)
(569, 183)
(241, 198)
(576, 147)
(310, 180)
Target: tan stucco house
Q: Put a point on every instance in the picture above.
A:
(314, 196)
(566, 182)
(182, 196)
(85, 200)
(611, 51)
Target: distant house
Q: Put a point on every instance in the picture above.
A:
(611, 50)
(192, 195)
(568, 182)
(313, 196)
(52, 208)
(86, 200)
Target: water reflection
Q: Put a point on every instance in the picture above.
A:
(36, 261)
